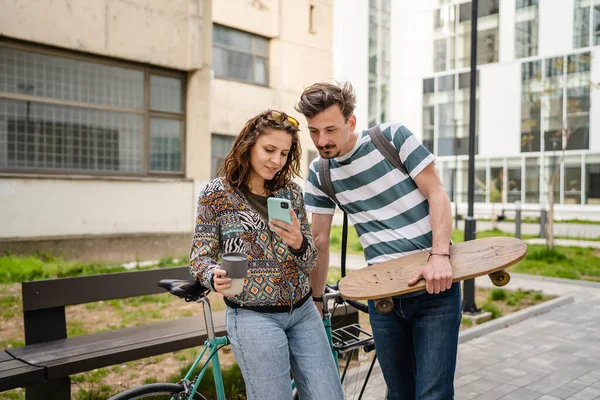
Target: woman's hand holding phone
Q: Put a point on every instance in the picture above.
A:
(291, 234)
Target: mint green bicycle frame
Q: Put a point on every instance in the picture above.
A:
(211, 347)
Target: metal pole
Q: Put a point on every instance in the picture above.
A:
(469, 305)
(455, 197)
(454, 176)
(518, 219)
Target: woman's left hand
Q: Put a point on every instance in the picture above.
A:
(291, 234)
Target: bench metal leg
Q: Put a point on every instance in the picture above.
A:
(56, 389)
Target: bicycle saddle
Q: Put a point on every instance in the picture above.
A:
(190, 290)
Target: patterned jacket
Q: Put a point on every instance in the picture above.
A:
(226, 222)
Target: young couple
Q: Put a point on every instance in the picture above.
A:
(275, 325)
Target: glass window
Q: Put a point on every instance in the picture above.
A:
(543, 95)
(50, 137)
(487, 46)
(70, 79)
(572, 184)
(240, 55)
(428, 85)
(480, 183)
(487, 35)
(220, 145)
(526, 38)
(532, 180)
(446, 120)
(578, 101)
(428, 127)
(526, 3)
(592, 179)
(513, 180)
(166, 140)
(530, 107)
(102, 128)
(446, 83)
(496, 181)
(596, 23)
(166, 94)
(439, 54)
(581, 24)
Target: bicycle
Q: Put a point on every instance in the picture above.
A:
(350, 342)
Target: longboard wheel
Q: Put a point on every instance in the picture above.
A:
(384, 306)
(500, 278)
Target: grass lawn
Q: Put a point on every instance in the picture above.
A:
(16, 269)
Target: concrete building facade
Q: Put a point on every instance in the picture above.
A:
(538, 75)
(114, 113)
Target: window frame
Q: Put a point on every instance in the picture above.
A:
(146, 113)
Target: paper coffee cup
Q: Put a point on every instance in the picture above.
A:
(236, 265)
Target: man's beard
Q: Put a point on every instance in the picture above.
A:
(331, 153)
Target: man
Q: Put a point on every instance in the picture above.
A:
(395, 213)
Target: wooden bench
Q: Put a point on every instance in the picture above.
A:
(44, 364)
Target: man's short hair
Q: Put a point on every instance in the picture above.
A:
(320, 96)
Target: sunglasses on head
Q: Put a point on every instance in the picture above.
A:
(280, 117)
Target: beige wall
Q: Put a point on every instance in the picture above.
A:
(87, 206)
(159, 32)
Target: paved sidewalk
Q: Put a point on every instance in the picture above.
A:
(551, 356)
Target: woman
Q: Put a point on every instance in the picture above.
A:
(273, 324)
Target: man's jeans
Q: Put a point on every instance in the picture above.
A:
(267, 344)
(417, 343)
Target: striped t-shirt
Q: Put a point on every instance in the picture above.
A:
(389, 212)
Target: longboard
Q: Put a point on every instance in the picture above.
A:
(489, 256)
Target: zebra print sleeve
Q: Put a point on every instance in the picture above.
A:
(205, 246)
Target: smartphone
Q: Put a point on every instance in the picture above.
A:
(279, 209)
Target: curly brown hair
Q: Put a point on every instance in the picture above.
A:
(237, 169)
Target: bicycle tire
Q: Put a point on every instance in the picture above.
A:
(151, 391)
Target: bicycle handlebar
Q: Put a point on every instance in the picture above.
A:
(334, 293)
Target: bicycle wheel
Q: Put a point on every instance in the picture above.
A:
(156, 391)
(360, 374)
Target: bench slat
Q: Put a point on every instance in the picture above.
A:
(38, 295)
(15, 373)
(82, 353)
(4, 356)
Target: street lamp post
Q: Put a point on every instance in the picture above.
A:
(469, 305)
(454, 175)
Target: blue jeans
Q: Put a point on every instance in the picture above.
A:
(417, 343)
(267, 345)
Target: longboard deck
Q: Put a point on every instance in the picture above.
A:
(468, 259)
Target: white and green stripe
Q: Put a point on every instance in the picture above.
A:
(389, 212)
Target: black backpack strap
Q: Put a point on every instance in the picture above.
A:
(386, 148)
(325, 179)
(327, 186)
